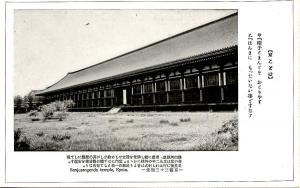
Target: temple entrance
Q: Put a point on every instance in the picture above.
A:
(125, 96)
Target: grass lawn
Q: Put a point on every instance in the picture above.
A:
(89, 131)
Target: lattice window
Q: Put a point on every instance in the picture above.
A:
(101, 93)
(148, 88)
(191, 82)
(96, 94)
(109, 93)
(136, 89)
(84, 96)
(211, 79)
(90, 95)
(175, 84)
(231, 77)
(160, 86)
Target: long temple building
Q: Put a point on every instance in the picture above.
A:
(193, 70)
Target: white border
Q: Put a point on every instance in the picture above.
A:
(241, 54)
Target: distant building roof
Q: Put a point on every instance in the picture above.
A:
(34, 92)
(219, 34)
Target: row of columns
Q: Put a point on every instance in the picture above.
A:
(200, 84)
(182, 78)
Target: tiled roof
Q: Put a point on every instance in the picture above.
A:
(215, 35)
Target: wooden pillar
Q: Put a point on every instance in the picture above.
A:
(99, 97)
(221, 83)
(92, 98)
(79, 99)
(182, 86)
(104, 97)
(200, 85)
(142, 91)
(224, 83)
(222, 93)
(87, 99)
(224, 78)
(112, 97)
(131, 98)
(131, 91)
(100, 103)
(167, 87)
(76, 99)
(153, 88)
(82, 99)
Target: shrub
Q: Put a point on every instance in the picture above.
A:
(177, 139)
(61, 137)
(174, 124)
(17, 134)
(57, 106)
(69, 104)
(130, 121)
(71, 128)
(61, 115)
(185, 119)
(39, 108)
(21, 143)
(47, 111)
(40, 134)
(49, 145)
(224, 139)
(33, 113)
(35, 119)
(163, 121)
(231, 129)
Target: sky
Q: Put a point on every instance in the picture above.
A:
(50, 43)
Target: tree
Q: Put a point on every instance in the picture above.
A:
(18, 101)
(30, 101)
(26, 103)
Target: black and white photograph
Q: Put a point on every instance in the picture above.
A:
(149, 93)
(168, 80)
